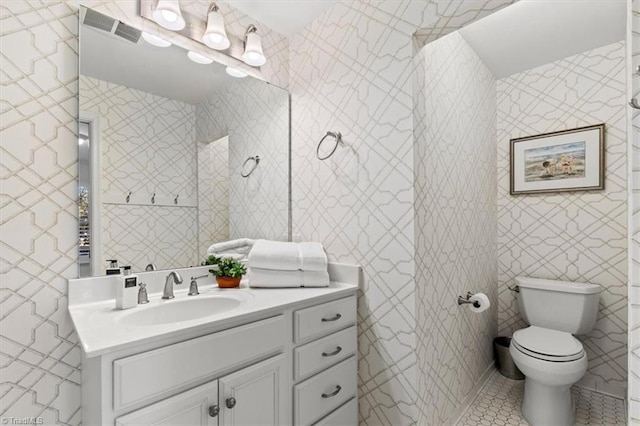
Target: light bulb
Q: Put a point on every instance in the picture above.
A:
(234, 72)
(198, 58)
(169, 16)
(215, 36)
(155, 40)
(253, 54)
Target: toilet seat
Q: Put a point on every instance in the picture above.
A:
(547, 345)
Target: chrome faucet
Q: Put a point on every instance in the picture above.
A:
(173, 277)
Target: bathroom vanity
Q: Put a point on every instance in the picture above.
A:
(224, 357)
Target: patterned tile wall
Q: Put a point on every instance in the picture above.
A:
(570, 236)
(350, 71)
(39, 354)
(147, 145)
(255, 116)
(634, 212)
(455, 223)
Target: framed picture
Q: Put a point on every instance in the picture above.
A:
(568, 160)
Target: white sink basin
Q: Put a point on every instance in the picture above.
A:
(172, 311)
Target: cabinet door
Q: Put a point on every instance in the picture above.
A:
(255, 395)
(194, 407)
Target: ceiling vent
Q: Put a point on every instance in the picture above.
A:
(106, 23)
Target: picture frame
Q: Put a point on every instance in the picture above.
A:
(566, 160)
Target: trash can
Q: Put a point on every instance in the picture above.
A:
(504, 362)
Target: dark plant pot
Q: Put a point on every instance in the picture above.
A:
(228, 282)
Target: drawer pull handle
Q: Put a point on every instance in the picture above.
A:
(334, 393)
(336, 318)
(231, 402)
(336, 352)
(214, 410)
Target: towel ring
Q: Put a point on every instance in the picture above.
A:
(256, 161)
(337, 136)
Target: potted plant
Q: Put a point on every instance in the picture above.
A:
(229, 272)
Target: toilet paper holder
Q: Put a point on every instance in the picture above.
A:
(462, 300)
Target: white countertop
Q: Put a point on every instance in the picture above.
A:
(102, 328)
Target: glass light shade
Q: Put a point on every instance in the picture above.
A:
(253, 54)
(215, 36)
(198, 58)
(234, 72)
(168, 15)
(155, 40)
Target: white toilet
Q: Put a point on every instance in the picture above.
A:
(546, 352)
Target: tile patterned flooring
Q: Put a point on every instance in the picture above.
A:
(498, 404)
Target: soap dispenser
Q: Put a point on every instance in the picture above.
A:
(113, 267)
(127, 290)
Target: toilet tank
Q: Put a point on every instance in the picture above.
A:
(558, 305)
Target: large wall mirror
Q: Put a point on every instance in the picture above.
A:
(175, 155)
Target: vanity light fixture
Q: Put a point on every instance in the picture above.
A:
(198, 58)
(155, 40)
(167, 14)
(253, 54)
(235, 72)
(215, 36)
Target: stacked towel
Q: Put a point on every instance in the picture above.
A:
(280, 264)
(237, 249)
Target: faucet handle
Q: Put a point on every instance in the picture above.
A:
(143, 297)
(193, 287)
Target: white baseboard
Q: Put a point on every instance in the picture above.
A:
(464, 406)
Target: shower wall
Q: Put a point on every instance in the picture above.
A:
(455, 223)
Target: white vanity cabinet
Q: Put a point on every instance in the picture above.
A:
(293, 364)
(250, 396)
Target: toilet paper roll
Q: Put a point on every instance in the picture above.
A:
(483, 302)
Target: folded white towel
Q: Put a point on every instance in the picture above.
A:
(313, 257)
(240, 245)
(277, 255)
(271, 278)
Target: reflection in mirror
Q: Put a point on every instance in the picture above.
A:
(163, 162)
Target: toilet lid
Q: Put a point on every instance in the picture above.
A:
(547, 344)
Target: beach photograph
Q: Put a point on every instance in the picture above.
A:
(556, 162)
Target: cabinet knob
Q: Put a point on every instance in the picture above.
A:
(214, 410)
(231, 402)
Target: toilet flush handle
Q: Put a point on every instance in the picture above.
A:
(514, 288)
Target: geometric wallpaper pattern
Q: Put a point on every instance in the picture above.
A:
(573, 236)
(633, 50)
(455, 223)
(255, 116)
(213, 194)
(147, 146)
(138, 235)
(39, 352)
(351, 71)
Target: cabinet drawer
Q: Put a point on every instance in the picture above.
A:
(319, 395)
(155, 373)
(347, 415)
(322, 319)
(316, 356)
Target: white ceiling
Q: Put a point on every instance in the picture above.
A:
(164, 71)
(531, 33)
(284, 16)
